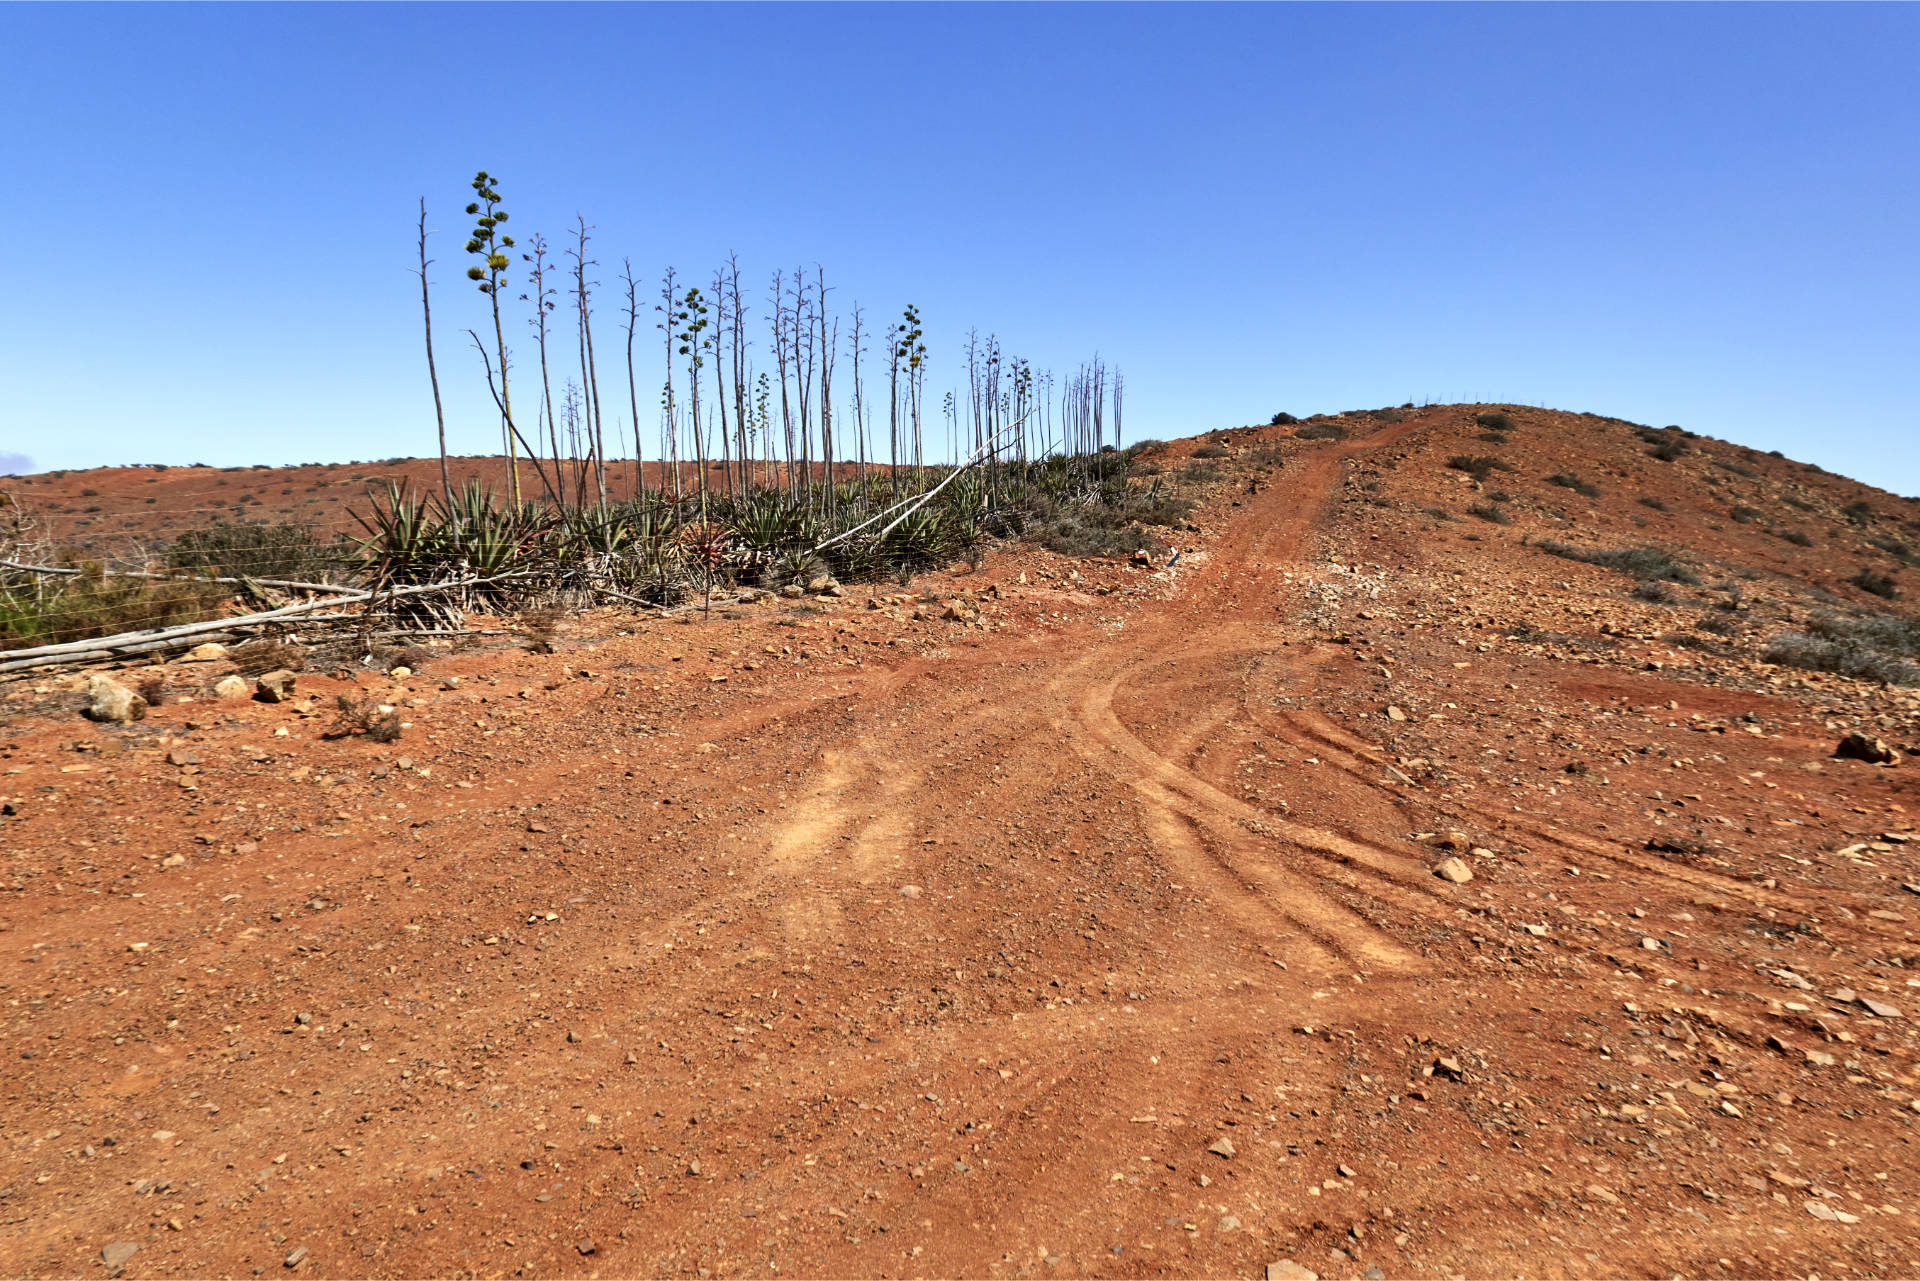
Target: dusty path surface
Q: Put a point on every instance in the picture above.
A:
(1098, 945)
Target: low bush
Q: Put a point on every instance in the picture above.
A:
(1727, 464)
(1648, 500)
(1668, 450)
(44, 610)
(1641, 562)
(1282, 419)
(1652, 589)
(1492, 437)
(1896, 549)
(1321, 431)
(1794, 536)
(1479, 466)
(260, 551)
(1213, 451)
(1490, 512)
(1438, 513)
(1745, 515)
(1201, 473)
(1847, 648)
(1567, 480)
(1493, 420)
(1875, 583)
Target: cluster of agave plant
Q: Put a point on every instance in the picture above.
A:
(657, 551)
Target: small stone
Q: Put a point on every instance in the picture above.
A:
(1599, 1193)
(586, 1247)
(693, 1168)
(1879, 1009)
(275, 686)
(1449, 1068)
(401, 672)
(111, 703)
(574, 1038)
(1453, 869)
(204, 653)
(1345, 1172)
(1228, 1223)
(296, 1256)
(1222, 1147)
(174, 860)
(230, 687)
(909, 891)
(1288, 1270)
(1395, 714)
(115, 1254)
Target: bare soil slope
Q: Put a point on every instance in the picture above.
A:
(1065, 920)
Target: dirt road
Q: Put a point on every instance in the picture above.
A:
(1094, 946)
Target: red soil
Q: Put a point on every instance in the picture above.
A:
(820, 939)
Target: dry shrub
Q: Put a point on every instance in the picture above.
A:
(267, 654)
(363, 716)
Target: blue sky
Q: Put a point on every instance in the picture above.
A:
(1690, 214)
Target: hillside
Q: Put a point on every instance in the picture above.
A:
(1377, 888)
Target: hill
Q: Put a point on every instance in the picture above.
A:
(1436, 867)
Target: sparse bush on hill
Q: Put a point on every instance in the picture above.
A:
(1321, 431)
(1875, 647)
(1201, 473)
(1859, 511)
(1392, 414)
(1492, 437)
(1745, 515)
(1479, 466)
(1567, 480)
(1490, 512)
(1648, 500)
(1668, 450)
(1438, 513)
(1895, 548)
(1213, 451)
(1794, 536)
(1877, 584)
(1738, 469)
(1493, 420)
(1798, 504)
(1652, 589)
(1282, 419)
(1641, 562)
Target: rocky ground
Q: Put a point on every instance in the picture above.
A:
(1367, 893)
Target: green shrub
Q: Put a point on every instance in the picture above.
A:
(1283, 419)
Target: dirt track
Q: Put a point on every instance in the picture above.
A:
(956, 964)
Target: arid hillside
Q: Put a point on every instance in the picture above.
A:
(1482, 843)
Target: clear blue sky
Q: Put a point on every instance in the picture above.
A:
(1693, 214)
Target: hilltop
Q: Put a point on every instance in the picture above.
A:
(1440, 865)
